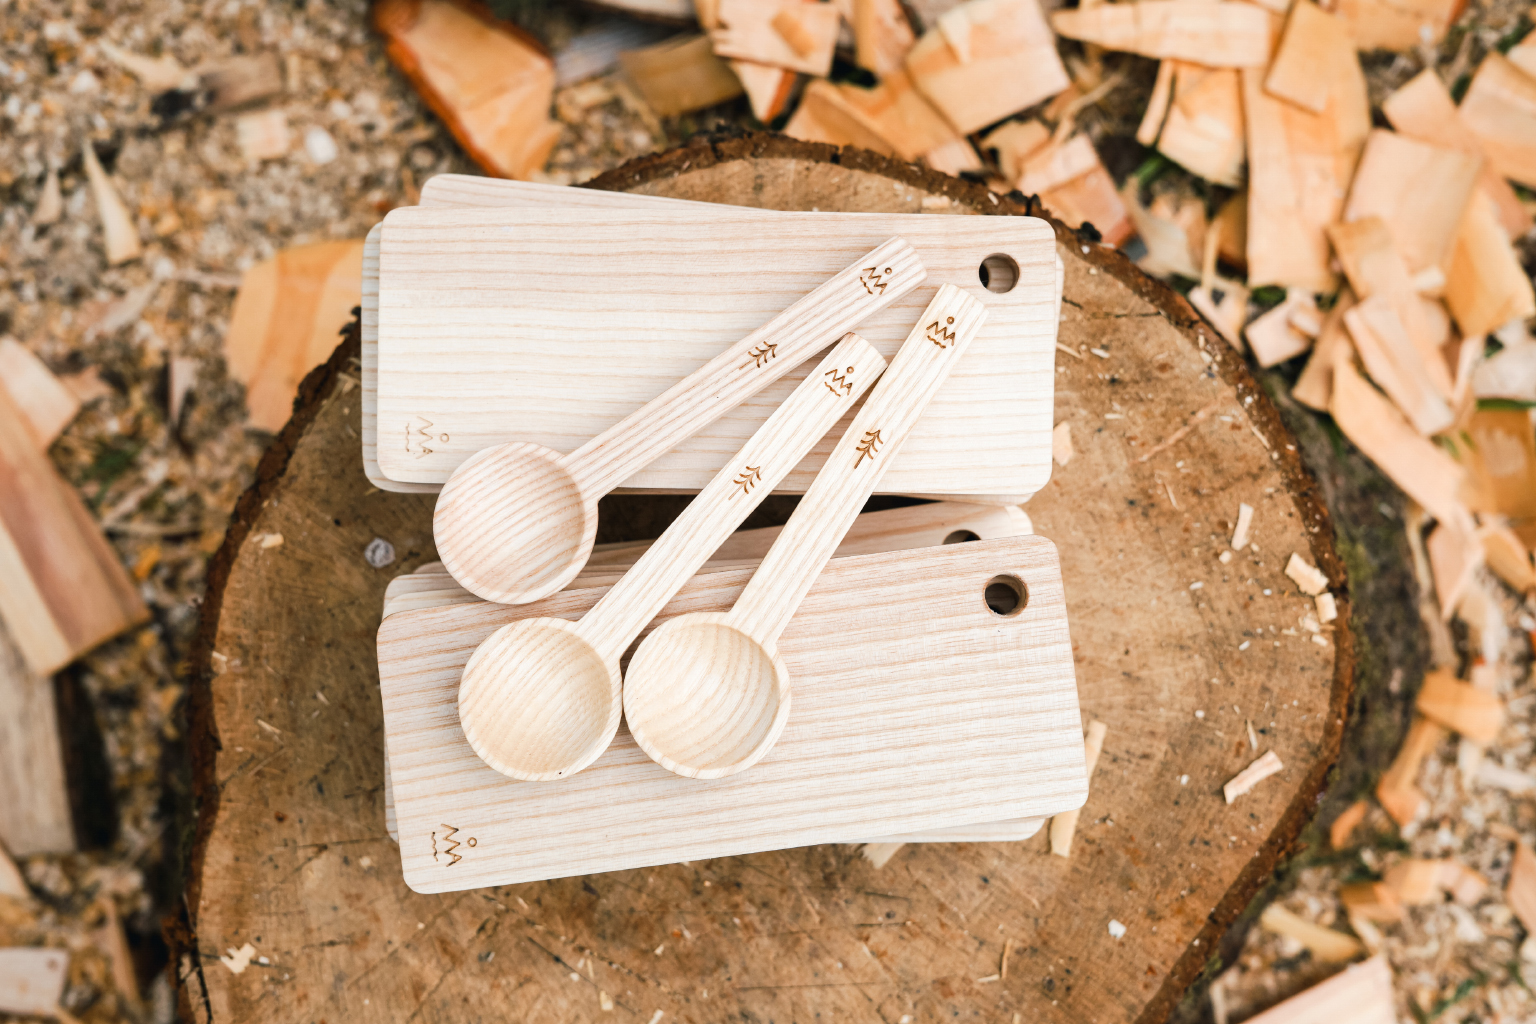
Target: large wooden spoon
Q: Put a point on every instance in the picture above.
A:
(516, 522)
(540, 698)
(706, 694)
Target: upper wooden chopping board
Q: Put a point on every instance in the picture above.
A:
(550, 324)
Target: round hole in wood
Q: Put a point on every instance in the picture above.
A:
(1005, 596)
(998, 273)
(961, 536)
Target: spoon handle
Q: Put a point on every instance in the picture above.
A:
(776, 448)
(828, 312)
(856, 464)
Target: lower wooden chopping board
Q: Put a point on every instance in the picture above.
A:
(479, 343)
(915, 707)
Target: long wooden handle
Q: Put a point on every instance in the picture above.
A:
(825, 314)
(721, 506)
(855, 467)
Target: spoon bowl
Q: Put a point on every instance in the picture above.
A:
(538, 701)
(512, 524)
(704, 699)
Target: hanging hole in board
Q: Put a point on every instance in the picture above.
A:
(1005, 596)
(998, 273)
(960, 537)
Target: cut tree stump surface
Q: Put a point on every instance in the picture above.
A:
(1175, 652)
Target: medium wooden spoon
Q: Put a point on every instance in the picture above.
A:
(540, 698)
(516, 522)
(706, 694)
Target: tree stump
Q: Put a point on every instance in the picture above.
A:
(1177, 651)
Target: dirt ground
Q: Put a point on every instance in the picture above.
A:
(362, 144)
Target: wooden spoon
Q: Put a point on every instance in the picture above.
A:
(540, 698)
(516, 522)
(706, 694)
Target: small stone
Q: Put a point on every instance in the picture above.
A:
(379, 552)
(320, 146)
(1116, 929)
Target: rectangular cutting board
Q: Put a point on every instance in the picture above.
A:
(549, 323)
(915, 708)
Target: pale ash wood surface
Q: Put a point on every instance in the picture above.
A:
(619, 326)
(934, 711)
(707, 695)
(34, 797)
(318, 891)
(462, 191)
(517, 521)
(62, 588)
(540, 699)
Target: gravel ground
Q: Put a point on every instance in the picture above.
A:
(361, 143)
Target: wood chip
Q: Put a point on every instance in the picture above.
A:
(157, 74)
(880, 854)
(1454, 558)
(1244, 781)
(1520, 892)
(287, 319)
(1226, 310)
(1299, 72)
(1485, 286)
(1157, 104)
(1423, 109)
(882, 36)
(1398, 790)
(1500, 109)
(987, 59)
(1242, 533)
(1501, 464)
(1204, 129)
(44, 401)
(1415, 881)
(768, 88)
(490, 82)
(50, 204)
(1345, 824)
(1217, 35)
(1314, 387)
(32, 981)
(120, 237)
(1300, 165)
(1308, 578)
(1073, 184)
(1061, 443)
(1401, 25)
(1327, 608)
(1174, 234)
(1272, 337)
(1461, 707)
(1359, 994)
(893, 119)
(1508, 557)
(1397, 365)
(263, 135)
(785, 33)
(1418, 189)
(1372, 901)
(34, 795)
(1326, 944)
(1417, 465)
(11, 882)
(1064, 825)
(62, 590)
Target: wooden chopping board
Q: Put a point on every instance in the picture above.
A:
(467, 356)
(916, 708)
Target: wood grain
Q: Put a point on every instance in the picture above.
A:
(865, 752)
(516, 521)
(34, 798)
(62, 589)
(989, 432)
(540, 699)
(1230, 36)
(706, 696)
(785, 33)
(44, 401)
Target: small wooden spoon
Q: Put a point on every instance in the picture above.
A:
(516, 522)
(706, 695)
(540, 698)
